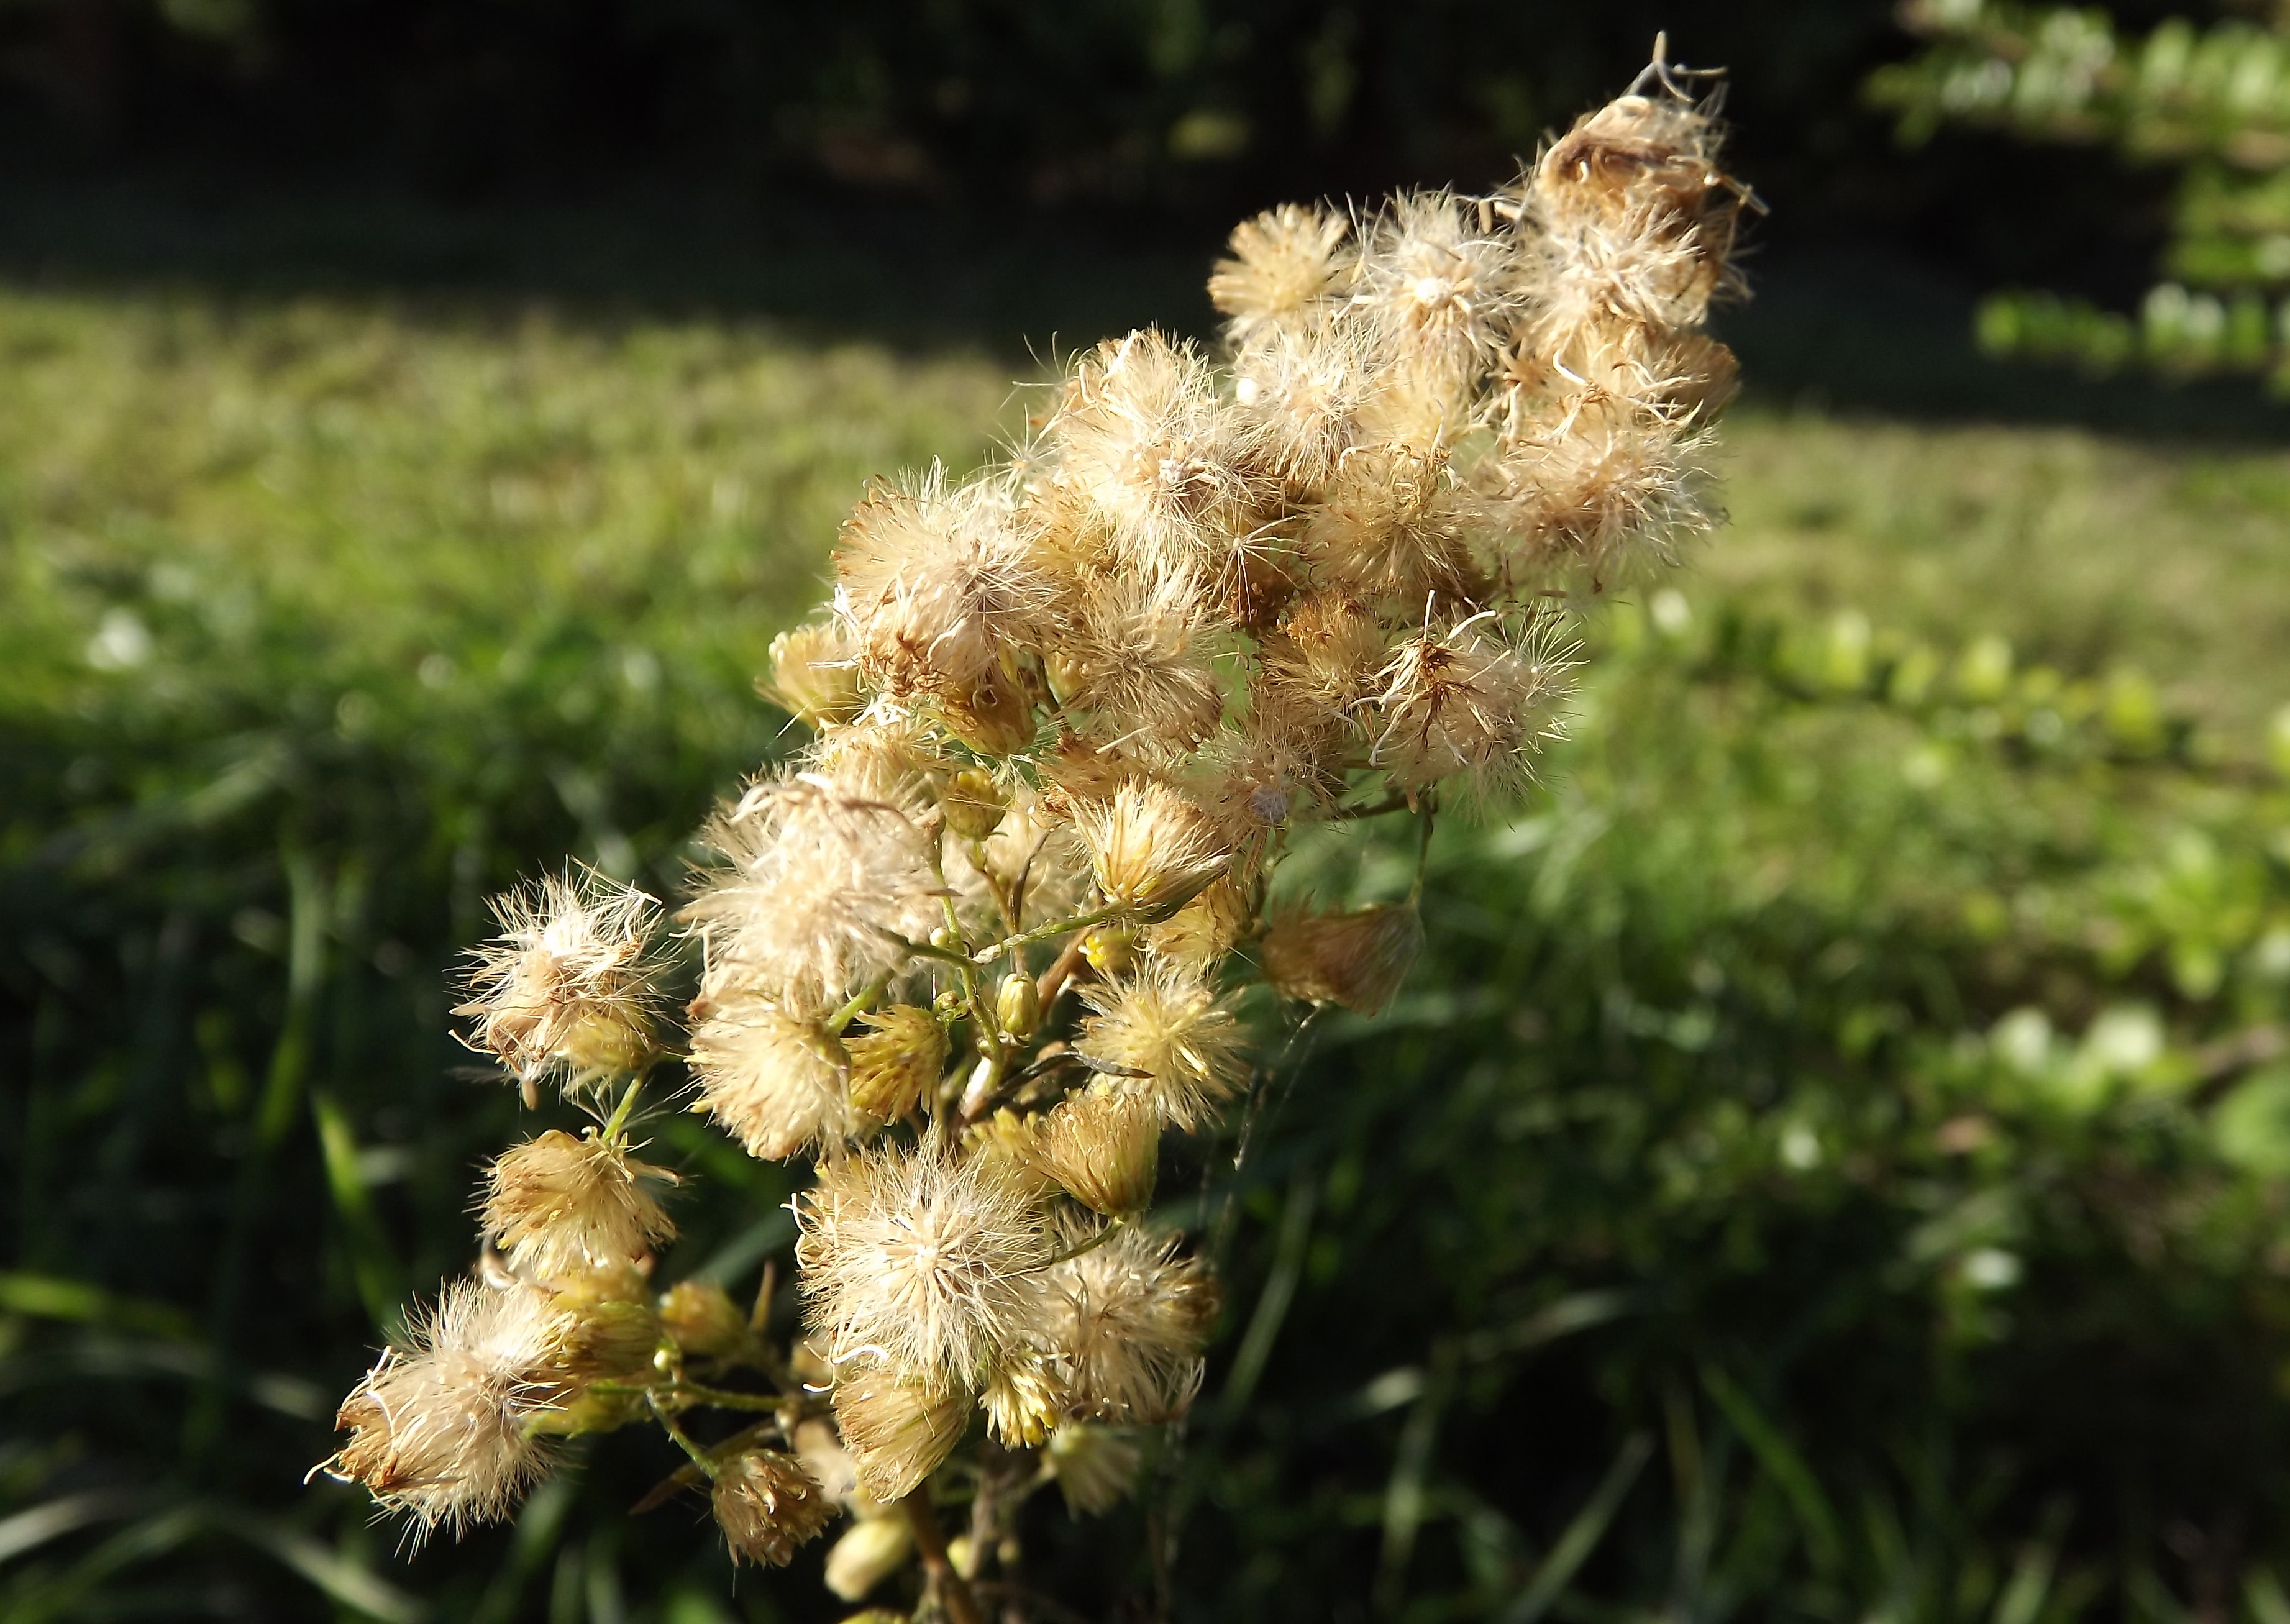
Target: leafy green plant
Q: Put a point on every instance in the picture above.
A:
(2213, 100)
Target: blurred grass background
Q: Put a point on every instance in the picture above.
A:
(1833, 1163)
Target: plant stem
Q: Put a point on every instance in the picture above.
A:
(1089, 1245)
(953, 1590)
(850, 1012)
(1080, 922)
(619, 1119)
(683, 1439)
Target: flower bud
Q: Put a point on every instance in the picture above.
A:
(993, 719)
(1017, 1005)
(590, 1411)
(1151, 848)
(1110, 949)
(895, 1061)
(1095, 1466)
(1356, 959)
(768, 1505)
(898, 1431)
(1023, 1403)
(1103, 1146)
(868, 1553)
(815, 676)
(604, 1339)
(972, 803)
(702, 1318)
(1203, 930)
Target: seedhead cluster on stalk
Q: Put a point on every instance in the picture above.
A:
(976, 950)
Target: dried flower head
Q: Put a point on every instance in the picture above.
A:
(919, 1263)
(1466, 703)
(1126, 1322)
(1095, 1466)
(1164, 1024)
(1102, 1144)
(559, 1205)
(440, 1430)
(1326, 659)
(1169, 1028)
(897, 1059)
(1642, 169)
(1282, 261)
(567, 989)
(1441, 276)
(898, 1431)
(775, 1081)
(817, 891)
(937, 588)
(1392, 525)
(1603, 504)
(1356, 959)
(1199, 935)
(768, 1506)
(1152, 848)
(1301, 390)
(1139, 655)
(1143, 438)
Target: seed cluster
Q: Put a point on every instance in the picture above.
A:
(978, 948)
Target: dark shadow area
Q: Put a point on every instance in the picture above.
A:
(1834, 325)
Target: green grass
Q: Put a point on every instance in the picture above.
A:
(1856, 1075)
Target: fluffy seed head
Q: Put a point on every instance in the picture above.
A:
(1466, 703)
(1356, 959)
(1282, 261)
(559, 1205)
(918, 1263)
(1327, 656)
(1300, 390)
(439, 1428)
(768, 1506)
(1139, 657)
(1143, 439)
(1152, 848)
(1127, 1320)
(773, 1081)
(937, 587)
(1169, 1025)
(1441, 277)
(814, 888)
(567, 987)
(1603, 505)
(1393, 525)
(1642, 170)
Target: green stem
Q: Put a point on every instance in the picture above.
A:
(1080, 922)
(1089, 1245)
(619, 1119)
(699, 1457)
(850, 1012)
(1423, 853)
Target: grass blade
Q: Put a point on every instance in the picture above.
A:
(1583, 1534)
